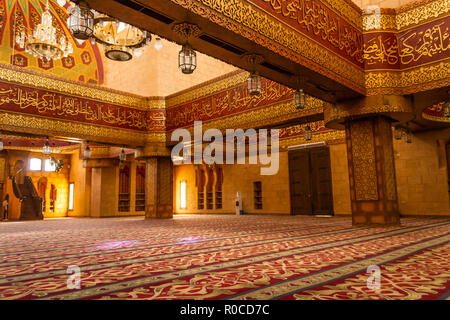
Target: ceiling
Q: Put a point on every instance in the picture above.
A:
(158, 17)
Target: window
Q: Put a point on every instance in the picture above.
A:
(49, 166)
(35, 164)
(183, 204)
(71, 187)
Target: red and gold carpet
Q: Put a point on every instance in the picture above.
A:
(224, 257)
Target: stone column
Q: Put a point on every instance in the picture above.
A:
(368, 126)
(104, 196)
(159, 188)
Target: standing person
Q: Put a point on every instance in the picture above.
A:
(5, 207)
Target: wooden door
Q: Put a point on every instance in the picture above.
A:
(310, 181)
(322, 197)
(300, 184)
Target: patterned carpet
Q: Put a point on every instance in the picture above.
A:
(224, 257)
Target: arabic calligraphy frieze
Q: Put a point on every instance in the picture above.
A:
(21, 99)
(423, 44)
(297, 130)
(227, 102)
(314, 19)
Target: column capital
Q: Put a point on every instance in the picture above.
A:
(396, 107)
(153, 150)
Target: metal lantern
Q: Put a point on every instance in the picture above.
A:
(122, 156)
(187, 59)
(398, 133)
(307, 133)
(299, 99)
(87, 152)
(447, 109)
(158, 43)
(254, 83)
(46, 149)
(81, 21)
(408, 136)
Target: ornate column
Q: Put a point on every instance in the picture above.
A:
(158, 182)
(367, 122)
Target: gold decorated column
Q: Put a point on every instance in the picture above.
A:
(159, 188)
(158, 181)
(368, 130)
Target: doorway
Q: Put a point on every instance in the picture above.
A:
(310, 181)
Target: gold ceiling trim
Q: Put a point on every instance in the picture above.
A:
(66, 150)
(350, 11)
(439, 106)
(264, 116)
(160, 137)
(421, 13)
(40, 80)
(52, 127)
(398, 20)
(434, 118)
(387, 21)
(328, 136)
(156, 103)
(409, 81)
(258, 26)
(207, 89)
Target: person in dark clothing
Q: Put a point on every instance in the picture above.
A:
(5, 207)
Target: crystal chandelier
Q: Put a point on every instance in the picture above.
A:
(44, 42)
(121, 41)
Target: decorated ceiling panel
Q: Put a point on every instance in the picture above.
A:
(84, 64)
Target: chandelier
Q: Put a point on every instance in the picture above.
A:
(121, 41)
(187, 59)
(81, 21)
(299, 99)
(44, 41)
(46, 149)
(254, 85)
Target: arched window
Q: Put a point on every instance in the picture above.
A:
(35, 164)
(49, 166)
